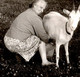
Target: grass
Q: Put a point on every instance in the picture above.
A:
(11, 67)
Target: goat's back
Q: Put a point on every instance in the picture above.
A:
(54, 23)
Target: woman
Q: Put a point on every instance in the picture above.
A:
(26, 34)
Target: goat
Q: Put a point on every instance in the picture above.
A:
(61, 29)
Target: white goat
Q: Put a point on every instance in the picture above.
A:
(61, 29)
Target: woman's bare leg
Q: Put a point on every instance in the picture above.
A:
(42, 50)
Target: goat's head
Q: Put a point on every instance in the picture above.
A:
(73, 17)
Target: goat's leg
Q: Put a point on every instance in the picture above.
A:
(67, 53)
(57, 54)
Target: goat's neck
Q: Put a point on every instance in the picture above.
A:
(68, 29)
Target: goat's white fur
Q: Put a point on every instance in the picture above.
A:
(55, 23)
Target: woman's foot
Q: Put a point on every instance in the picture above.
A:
(47, 63)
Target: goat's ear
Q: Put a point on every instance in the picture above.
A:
(66, 11)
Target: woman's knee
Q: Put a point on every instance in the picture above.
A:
(42, 43)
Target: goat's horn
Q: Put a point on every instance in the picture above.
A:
(73, 5)
(79, 7)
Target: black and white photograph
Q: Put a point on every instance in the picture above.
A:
(39, 38)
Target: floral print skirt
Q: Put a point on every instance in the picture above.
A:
(26, 48)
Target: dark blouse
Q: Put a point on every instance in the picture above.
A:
(26, 24)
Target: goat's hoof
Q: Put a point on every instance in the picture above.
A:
(56, 67)
(69, 66)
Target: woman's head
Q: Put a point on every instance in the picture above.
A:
(38, 6)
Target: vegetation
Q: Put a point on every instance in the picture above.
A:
(13, 65)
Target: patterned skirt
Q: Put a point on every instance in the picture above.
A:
(26, 48)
